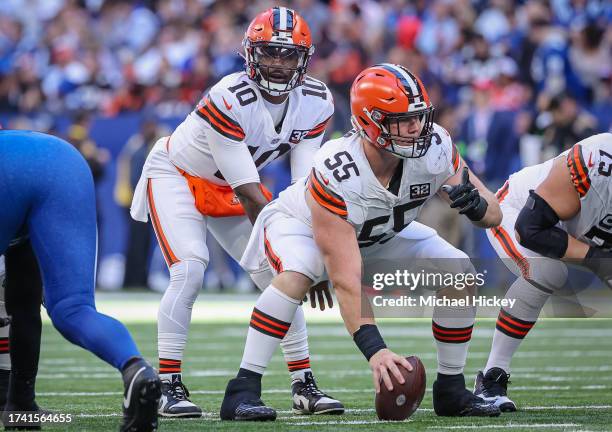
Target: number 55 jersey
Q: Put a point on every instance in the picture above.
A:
(342, 181)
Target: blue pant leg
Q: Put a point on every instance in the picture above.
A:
(62, 227)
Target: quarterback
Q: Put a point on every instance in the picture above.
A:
(47, 193)
(357, 206)
(557, 211)
(204, 178)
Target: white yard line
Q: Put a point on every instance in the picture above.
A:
(508, 426)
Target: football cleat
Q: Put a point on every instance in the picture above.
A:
(493, 387)
(141, 397)
(175, 401)
(308, 399)
(4, 383)
(242, 401)
(452, 399)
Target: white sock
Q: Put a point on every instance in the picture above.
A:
(295, 347)
(513, 323)
(452, 330)
(270, 322)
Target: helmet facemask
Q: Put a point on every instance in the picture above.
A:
(401, 145)
(277, 68)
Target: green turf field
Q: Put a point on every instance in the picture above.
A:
(562, 378)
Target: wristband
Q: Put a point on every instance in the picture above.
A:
(368, 340)
(477, 213)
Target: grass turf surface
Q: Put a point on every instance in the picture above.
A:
(562, 378)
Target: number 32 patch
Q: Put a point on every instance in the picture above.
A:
(419, 190)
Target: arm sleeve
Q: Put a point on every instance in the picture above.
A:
(326, 193)
(226, 140)
(302, 157)
(233, 160)
(579, 170)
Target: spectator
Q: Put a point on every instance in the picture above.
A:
(569, 124)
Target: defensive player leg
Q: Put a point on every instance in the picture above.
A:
(233, 234)
(61, 222)
(5, 358)
(23, 296)
(537, 279)
(181, 232)
(297, 263)
(62, 227)
(452, 326)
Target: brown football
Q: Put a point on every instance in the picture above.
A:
(404, 400)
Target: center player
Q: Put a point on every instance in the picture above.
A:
(561, 210)
(204, 177)
(352, 210)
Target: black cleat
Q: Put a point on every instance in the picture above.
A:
(308, 399)
(242, 401)
(175, 401)
(4, 386)
(141, 397)
(493, 387)
(452, 399)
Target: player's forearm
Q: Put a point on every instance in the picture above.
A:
(348, 293)
(252, 199)
(576, 249)
(493, 216)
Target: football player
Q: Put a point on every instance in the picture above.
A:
(21, 294)
(47, 190)
(358, 206)
(560, 210)
(204, 179)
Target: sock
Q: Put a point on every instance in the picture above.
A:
(513, 323)
(169, 367)
(270, 322)
(245, 373)
(295, 347)
(452, 330)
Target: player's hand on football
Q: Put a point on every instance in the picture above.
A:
(384, 362)
(319, 293)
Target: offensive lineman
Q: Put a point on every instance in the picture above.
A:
(47, 191)
(560, 210)
(204, 177)
(364, 189)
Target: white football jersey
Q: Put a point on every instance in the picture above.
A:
(343, 182)
(234, 112)
(590, 164)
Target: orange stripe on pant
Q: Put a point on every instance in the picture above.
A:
(507, 244)
(169, 256)
(274, 259)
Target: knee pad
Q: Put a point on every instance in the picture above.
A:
(186, 279)
(536, 228)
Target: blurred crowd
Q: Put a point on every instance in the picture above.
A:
(515, 82)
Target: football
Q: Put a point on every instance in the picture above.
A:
(404, 400)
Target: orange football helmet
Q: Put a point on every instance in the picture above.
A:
(278, 33)
(387, 94)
